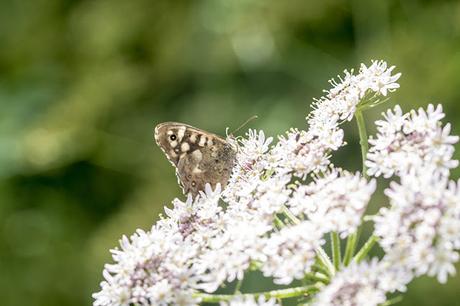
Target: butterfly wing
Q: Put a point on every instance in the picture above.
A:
(200, 157)
(213, 164)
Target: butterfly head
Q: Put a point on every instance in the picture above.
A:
(169, 136)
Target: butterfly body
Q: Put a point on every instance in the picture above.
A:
(199, 157)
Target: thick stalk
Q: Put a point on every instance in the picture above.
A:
(353, 238)
(278, 294)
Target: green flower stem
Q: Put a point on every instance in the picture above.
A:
(362, 139)
(238, 285)
(278, 294)
(365, 249)
(336, 257)
(317, 277)
(325, 261)
(350, 248)
(352, 240)
(373, 104)
(290, 215)
(278, 222)
(320, 268)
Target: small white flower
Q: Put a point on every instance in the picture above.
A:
(378, 77)
(256, 144)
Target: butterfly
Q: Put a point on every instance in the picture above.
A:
(199, 157)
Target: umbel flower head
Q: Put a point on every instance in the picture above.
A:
(335, 201)
(358, 284)
(409, 141)
(420, 231)
(284, 197)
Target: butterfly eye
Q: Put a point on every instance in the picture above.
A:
(173, 137)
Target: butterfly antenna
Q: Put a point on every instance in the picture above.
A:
(241, 126)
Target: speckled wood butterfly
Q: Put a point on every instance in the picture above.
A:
(199, 157)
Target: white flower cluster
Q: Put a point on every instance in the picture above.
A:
(148, 268)
(155, 267)
(197, 247)
(252, 162)
(226, 256)
(340, 102)
(290, 253)
(303, 152)
(359, 284)
(410, 141)
(335, 201)
(420, 231)
(200, 245)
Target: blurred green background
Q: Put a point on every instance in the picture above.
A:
(83, 83)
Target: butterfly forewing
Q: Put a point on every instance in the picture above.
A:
(199, 157)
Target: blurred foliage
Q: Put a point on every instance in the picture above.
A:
(82, 84)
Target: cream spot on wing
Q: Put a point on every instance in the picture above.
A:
(184, 147)
(197, 155)
(197, 170)
(193, 138)
(173, 154)
(173, 144)
(169, 132)
(181, 132)
(202, 141)
(210, 142)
